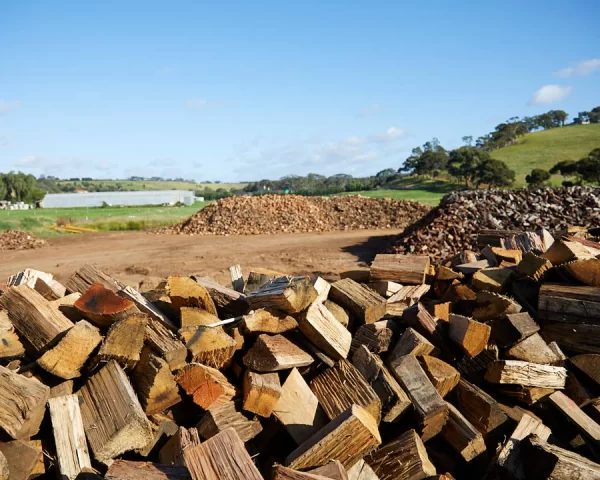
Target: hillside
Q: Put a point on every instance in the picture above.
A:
(544, 149)
(131, 185)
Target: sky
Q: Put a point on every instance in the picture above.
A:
(241, 91)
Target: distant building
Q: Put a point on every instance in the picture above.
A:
(98, 199)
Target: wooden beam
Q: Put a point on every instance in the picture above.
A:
(528, 374)
(261, 392)
(208, 387)
(320, 326)
(273, 353)
(224, 416)
(569, 303)
(404, 269)
(582, 338)
(69, 436)
(364, 305)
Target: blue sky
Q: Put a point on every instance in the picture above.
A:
(248, 90)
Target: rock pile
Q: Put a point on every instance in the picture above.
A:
(270, 214)
(19, 240)
(453, 225)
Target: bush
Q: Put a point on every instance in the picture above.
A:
(537, 177)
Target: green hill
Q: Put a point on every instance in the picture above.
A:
(546, 148)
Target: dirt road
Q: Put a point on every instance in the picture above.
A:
(130, 256)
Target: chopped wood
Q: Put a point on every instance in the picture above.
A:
(69, 436)
(66, 306)
(355, 429)
(322, 287)
(445, 273)
(185, 292)
(580, 338)
(273, 353)
(528, 374)
(430, 408)
(69, 355)
(405, 297)
(404, 269)
(87, 275)
(261, 392)
(10, 344)
(229, 303)
(589, 365)
(364, 305)
(165, 429)
(564, 251)
(533, 266)
(298, 409)
(342, 386)
(411, 342)
(512, 329)
(377, 336)
(217, 419)
(493, 305)
(128, 470)
(207, 386)
(22, 403)
(443, 376)
(528, 395)
(113, 418)
(196, 317)
(237, 278)
(394, 400)
(209, 345)
(569, 303)
(222, 457)
(28, 277)
(385, 288)
(284, 473)
(266, 320)
(462, 436)
(432, 328)
(257, 279)
(404, 457)
(585, 271)
(165, 344)
(172, 451)
(491, 279)
(103, 307)
(338, 312)
(361, 471)
(154, 383)
(64, 388)
(22, 459)
(124, 341)
(50, 290)
(472, 336)
(146, 306)
(320, 326)
(334, 470)
(289, 294)
(358, 274)
(33, 317)
(533, 349)
(479, 408)
(473, 369)
(439, 310)
(472, 267)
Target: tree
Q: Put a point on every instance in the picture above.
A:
(464, 162)
(429, 159)
(388, 172)
(588, 168)
(566, 168)
(468, 140)
(494, 173)
(537, 177)
(559, 117)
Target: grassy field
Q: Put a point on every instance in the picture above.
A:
(423, 196)
(112, 218)
(545, 149)
(130, 185)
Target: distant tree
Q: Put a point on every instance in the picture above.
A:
(494, 173)
(559, 117)
(388, 172)
(588, 168)
(429, 159)
(463, 163)
(468, 140)
(566, 168)
(537, 177)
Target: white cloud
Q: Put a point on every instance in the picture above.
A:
(549, 94)
(371, 110)
(579, 69)
(7, 106)
(196, 103)
(390, 135)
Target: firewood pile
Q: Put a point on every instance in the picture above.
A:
(268, 214)
(453, 225)
(19, 240)
(486, 366)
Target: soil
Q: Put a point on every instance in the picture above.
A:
(131, 256)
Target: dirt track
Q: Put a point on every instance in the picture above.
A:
(131, 256)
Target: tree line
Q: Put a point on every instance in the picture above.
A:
(585, 170)
(20, 187)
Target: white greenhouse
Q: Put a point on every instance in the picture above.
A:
(97, 199)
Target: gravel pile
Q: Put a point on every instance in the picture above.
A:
(19, 240)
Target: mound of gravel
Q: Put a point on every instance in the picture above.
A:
(453, 225)
(269, 214)
(19, 240)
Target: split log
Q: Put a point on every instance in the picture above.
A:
(166, 345)
(32, 316)
(585, 271)
(404, 457)
(288, 294)
(22, 403)
(411, 342)
(342, 386)
(208, 387)
(385, 288)
(404, 269)
(66, 306)
(358, 274)
(440, 310)
(430, 408)
(87, 275)
(154, 383)
(528, 395)
(261, 392)
(473, 267)
(493, 305)
(533, 266)
(69, 437)
(491, 279)
(462, 436)
(323, 330)
(355, 429)
(69, 355)
(237, 278)
(579, 338)
(284, 473)
(361, 471)
(146, 306)
(10, 344)
(589, 365)
(165, 429)
(472, 336)
(22, 459)
(512, 329)
(103, 307)
(569, 304)
(62, 389)
(229, 303)
(128, 470)
(533, 349)
(298, 409)
(338, 312)
(394, 400)
(217, 419)
(113, 418)
(443, 376)
(377, 336)
(209, 345)
(479, 408)
(260, 277)
(196, 317)
(333, 470)
(273, 353)
(445, 273)
(527, 374)
(172, 451)
(322, 287)
(124, 341)
(432, 328)
(405, 297)
(28, 277)
(564, 251)
(50, 290)
(185, 292)
(222, 457)
(266, 320)
(364, 304)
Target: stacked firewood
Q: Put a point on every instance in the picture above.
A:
(19, 240)
(486, 366)
(453, 225)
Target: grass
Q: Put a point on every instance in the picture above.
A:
(112, 218)
(423, 196)
(545, 149)
(131, 185)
